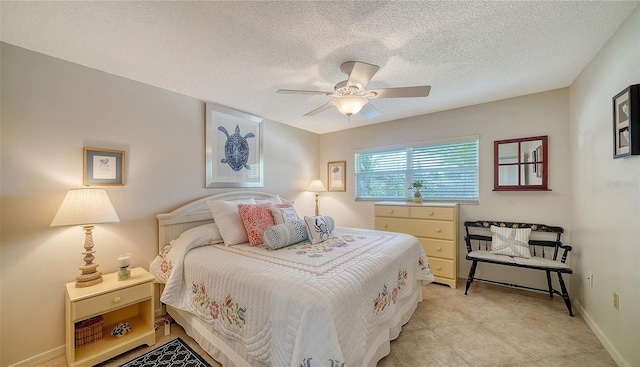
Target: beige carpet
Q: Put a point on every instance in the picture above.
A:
(492, 326)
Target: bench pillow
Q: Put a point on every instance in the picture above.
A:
(512, 242)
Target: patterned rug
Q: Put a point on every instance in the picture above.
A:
(175, 353)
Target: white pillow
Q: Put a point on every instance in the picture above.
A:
(512, 242)
(319, 228)
(207, 234)
(225, 214)
(272, 200)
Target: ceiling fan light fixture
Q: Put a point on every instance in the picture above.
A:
(349, 105)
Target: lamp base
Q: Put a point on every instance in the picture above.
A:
(86, 280)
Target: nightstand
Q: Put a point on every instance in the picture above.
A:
(129, 301)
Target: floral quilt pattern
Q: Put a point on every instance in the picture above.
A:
(227, 310)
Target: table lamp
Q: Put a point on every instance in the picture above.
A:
(317, 187)
(86, 207)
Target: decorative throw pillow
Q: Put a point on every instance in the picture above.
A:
(255, 219)
(319, 228)
(284, 213)
(512, 242)
(282, 235)
(225, 214)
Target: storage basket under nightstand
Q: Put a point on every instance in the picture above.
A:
(89, 331)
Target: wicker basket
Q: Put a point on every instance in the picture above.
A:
(89, 331)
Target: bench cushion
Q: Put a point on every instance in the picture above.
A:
(534, 262)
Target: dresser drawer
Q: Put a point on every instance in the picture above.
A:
(431, 212)
(418, 228)
(111, 301)
(437, 248)
(442, 268)
(392, 211)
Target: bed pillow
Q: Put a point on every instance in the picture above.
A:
(255, 219)
(512, 242)
(207, 234)
(282, 235)
(319, 228)
(272, 200)
(225, 214)
(284, 213)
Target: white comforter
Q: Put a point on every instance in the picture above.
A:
(303, 305)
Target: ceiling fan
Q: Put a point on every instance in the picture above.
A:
(350, 97)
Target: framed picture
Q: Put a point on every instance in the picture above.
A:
(626, 121)
(103, 167)
(337, 177)
(233, 148)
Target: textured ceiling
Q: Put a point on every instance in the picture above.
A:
(239, 53)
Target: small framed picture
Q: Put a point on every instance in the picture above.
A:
(337, 176)
(626, 122)
(103, 167)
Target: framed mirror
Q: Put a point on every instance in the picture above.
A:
(521, 164)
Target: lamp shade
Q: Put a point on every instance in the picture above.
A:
(316, 186)
(349, 105)
(85, 206)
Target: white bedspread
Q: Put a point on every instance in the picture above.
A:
(303, 305)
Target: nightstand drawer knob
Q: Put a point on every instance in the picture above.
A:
(438, 230)
(439, 268)
(117, 300)
(430, 213)
(439, 248)
(385, 226)
(391, 211)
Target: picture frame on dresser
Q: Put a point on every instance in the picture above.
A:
(626, 122)
(103, 167)
(233, 148)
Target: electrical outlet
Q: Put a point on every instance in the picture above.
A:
(590, 278)
(616, 301)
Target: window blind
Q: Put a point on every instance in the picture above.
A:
(449, 171)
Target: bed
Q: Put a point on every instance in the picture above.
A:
(337, 303)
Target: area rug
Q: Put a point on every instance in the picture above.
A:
(175, 353)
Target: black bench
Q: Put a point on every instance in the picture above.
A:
(544, 245)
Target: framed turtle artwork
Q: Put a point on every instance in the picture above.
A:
(233, 148)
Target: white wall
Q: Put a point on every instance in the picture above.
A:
(51, 109)
(533, 115)
(606, 198)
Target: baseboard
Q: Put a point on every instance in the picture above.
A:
(42, 357)
(603, 339)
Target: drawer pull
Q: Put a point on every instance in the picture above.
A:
(385, 226)
(438, 230)
(117, 300)
(391, 211)
(439, 248)
(430, 213)
(438, 267)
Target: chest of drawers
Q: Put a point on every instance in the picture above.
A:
(436, 227)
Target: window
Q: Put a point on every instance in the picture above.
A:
(449, 171)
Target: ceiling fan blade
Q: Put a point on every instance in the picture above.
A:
(294, 91)
(369, 111)
(359, 73)
(402, 92)
(319, 109)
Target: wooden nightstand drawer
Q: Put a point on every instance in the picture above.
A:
(431, 212)
(111, 301)
(392, 211)
(437, 248)
(442, 268)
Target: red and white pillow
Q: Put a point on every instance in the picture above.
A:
(255, 219)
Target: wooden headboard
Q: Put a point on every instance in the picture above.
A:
(196, 213)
